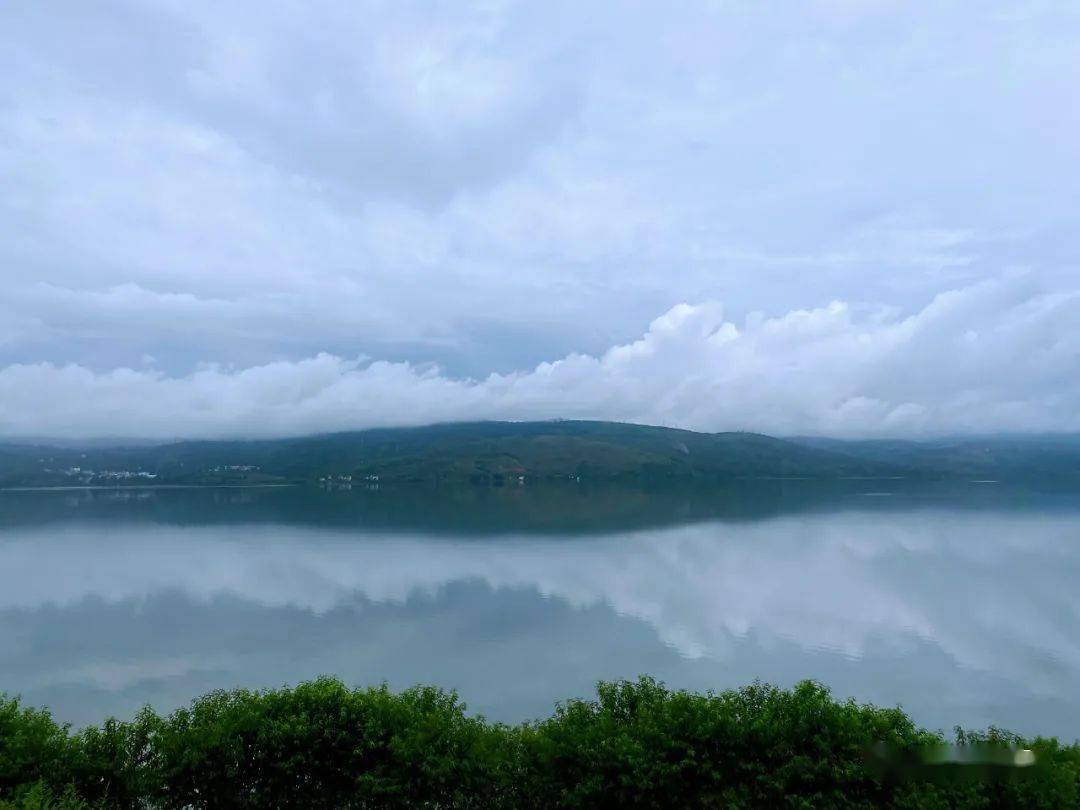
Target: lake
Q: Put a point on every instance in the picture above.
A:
(959, 602)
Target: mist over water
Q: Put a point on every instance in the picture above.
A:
(957, 602)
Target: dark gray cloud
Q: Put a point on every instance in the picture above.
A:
(489, 186)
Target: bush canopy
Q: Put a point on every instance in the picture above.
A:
(322, 744)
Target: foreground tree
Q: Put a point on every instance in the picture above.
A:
(638, 744)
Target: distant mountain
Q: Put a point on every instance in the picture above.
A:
(495, 452)
(994, 457)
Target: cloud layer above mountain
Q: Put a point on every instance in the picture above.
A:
(209, 211)
(998, 356)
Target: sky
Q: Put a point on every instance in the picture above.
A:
(263, 219)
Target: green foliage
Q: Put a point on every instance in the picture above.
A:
(638, 744)
(322, 744)
(478, 452)
(38, 796)
(500, 452)
(33, 748)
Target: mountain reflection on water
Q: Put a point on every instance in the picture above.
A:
(958, 602)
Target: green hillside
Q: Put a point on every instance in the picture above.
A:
(475, 452)
(500, 452)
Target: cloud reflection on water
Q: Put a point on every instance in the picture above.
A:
(991, 594)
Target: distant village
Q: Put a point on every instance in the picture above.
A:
(346, 481)
(86, 475)
(251, 474)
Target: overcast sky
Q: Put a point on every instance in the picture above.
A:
(836, 217)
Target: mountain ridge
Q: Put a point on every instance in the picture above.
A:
(500, 452)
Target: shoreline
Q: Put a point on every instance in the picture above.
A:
(99, 488)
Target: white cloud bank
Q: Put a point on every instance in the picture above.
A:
(996, 356)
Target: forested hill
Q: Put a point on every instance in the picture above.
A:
(524, 451)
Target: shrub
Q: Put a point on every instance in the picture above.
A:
(638, 744)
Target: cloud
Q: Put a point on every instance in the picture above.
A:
(491, 185)
(996, 356)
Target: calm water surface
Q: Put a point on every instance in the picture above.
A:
(959, 602)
